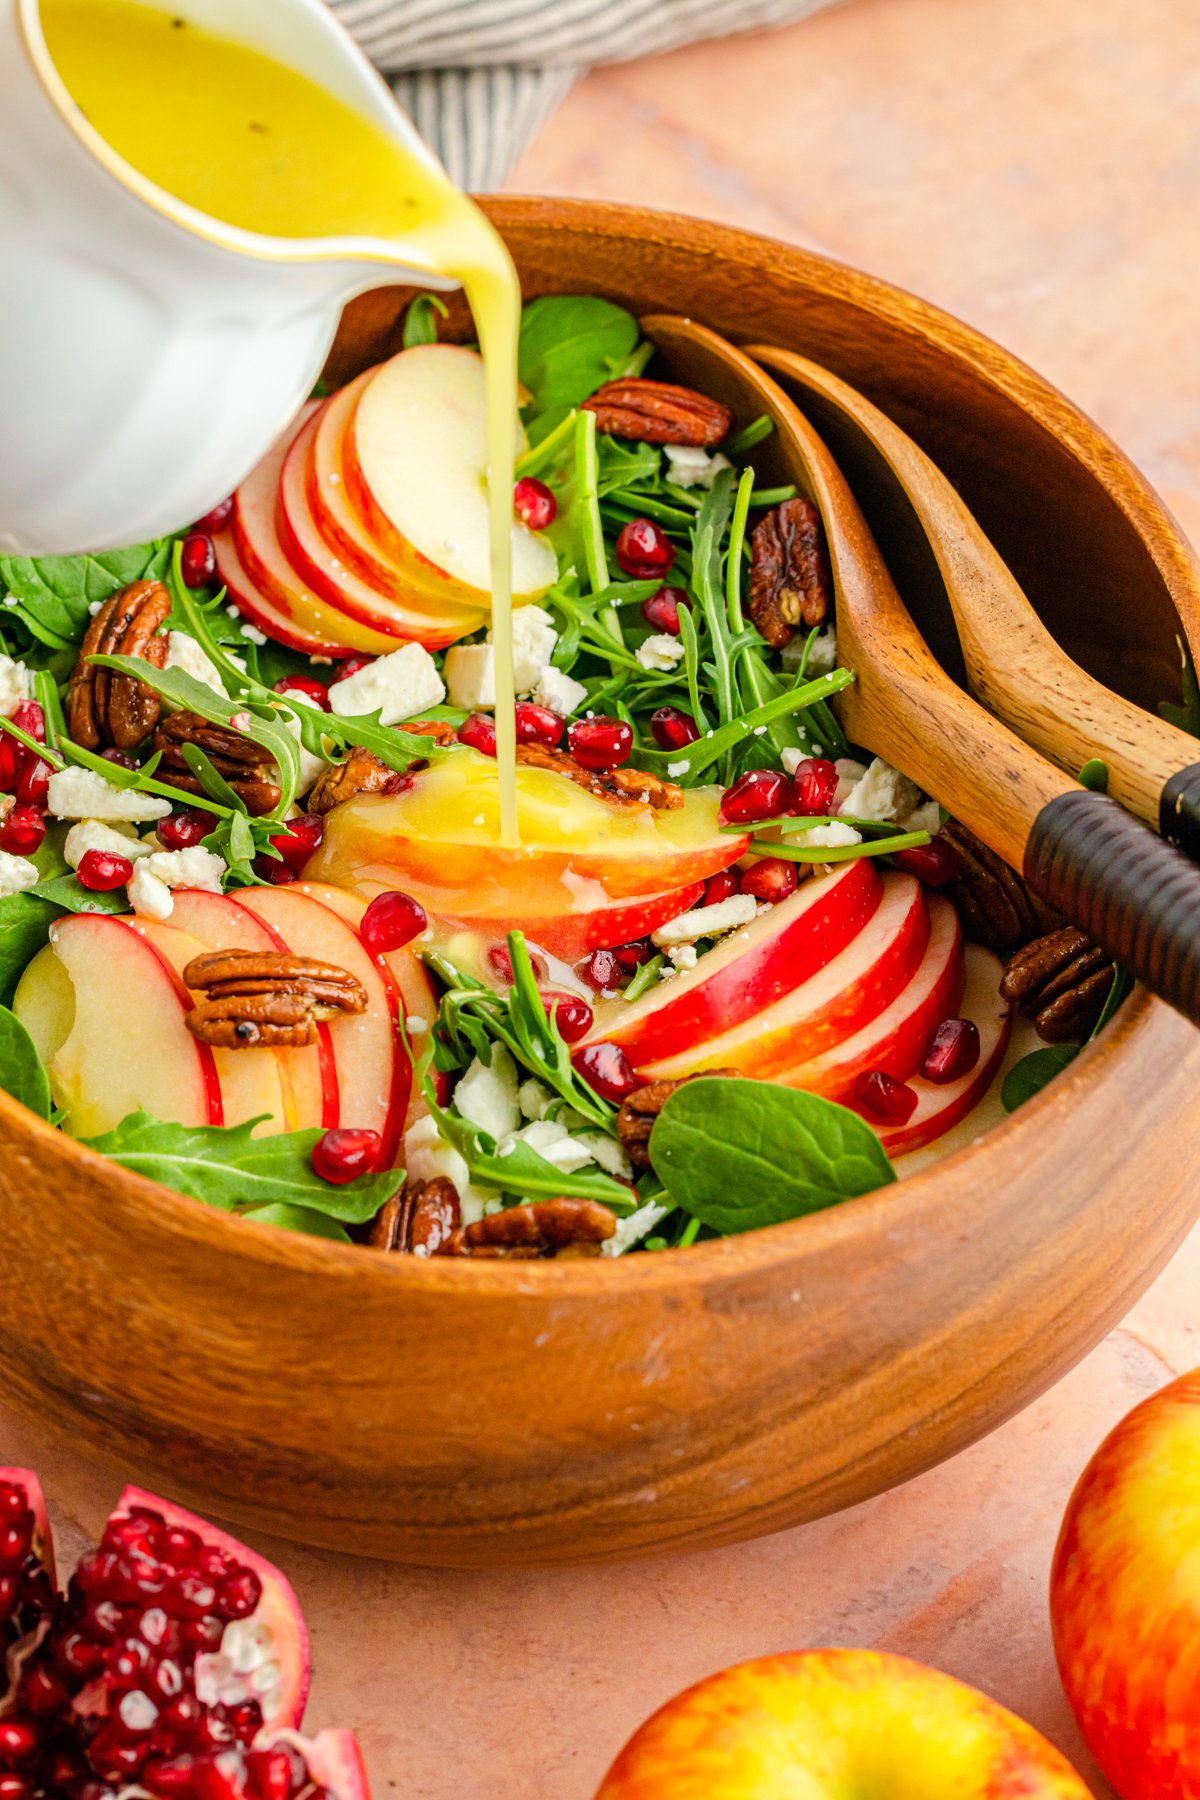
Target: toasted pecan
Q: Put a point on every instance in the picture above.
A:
(104, 709)
(994, 904)
(360, 773)
(540, 1228)
(248, 768)
(639, 1110)
(257, 999)
(419, 1219)
(1061, 982)
(620, 787)
(790, 582)
(658, 412)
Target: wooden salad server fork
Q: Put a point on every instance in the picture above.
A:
(1080, 852)
(1013, 664)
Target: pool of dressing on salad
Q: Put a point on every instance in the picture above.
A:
(257, 145)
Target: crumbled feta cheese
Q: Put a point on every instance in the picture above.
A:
(194, 867)
(533, 641)
(415, 1025)
(821, 658)
(94, 834)
(486, 1096)
(533, 1099)
(552, 1141)
(828, 837)
(16, 684)
(690, 466)
(682, 958)
(849, 774)
(661, 652)
(253, 633)
(397, 686)
(561, 693)
(924, 818)
(149, 895)
(16, 874)
(706, 921)
(82, 794)
(883, 794)
(428, 1155)
(678, 768)
(791, 759)
(633, 1228)
(607, 1152)
(310, 766)
(470, 672)
(186, 655)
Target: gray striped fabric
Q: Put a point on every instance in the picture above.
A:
(478, 77)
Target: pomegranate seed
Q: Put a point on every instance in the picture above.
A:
(479, 731)
(890, 1101)
(13, 1500)
(301, 838)
(166, 1679)
(211, 1561)
(197, 559)
(17, 1740)
(602, 971)
(43, 1693)
(218, 518)
(600, 743)
(814, 785)
(934, 863)
(308, 685)
(10, 1593)
(178, 1545)
(533, 502)
(391, 921)
(239, 1595)
(672, 729)
(30, 719)
(276, 1774)
(643, 551)
(15, 1787)
(721, 887)
(277, 874)
(180, 1720)
(661, 610)
(173, 1778)
(345, 1153)
(136, 1712)
(246, 1721)
(74, 1656)
(179, 830)
(632, 956)
(22, 831)
(111, 1753)
(104, 1619)
(16, 1536)
(953, 1051)
(537, 724)
(121, 758)
(758, 794)
(571, 1015)
(350, 665)
(204, 1634)
(159, 1630)
(102, 870)
(773, 879)
(33, 782)
(607, 1071)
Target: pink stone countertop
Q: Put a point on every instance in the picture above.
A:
(1035, 169)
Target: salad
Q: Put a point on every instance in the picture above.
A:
(261, 939)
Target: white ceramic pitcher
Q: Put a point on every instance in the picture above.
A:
(150, 354)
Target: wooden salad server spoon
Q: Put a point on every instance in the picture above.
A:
(1013, 664)
(1080, 852)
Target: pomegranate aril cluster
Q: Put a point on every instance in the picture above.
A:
(26, 775)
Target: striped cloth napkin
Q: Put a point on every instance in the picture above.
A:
(478, 77)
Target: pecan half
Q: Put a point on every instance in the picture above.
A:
(256, 999)
(993, 902)
(1061, 982)
(658, 412)
(247, 767)
(790, 583)
(420, 1219)
(620, 787)
(360, 773)
(542, 1228)
(639, 1110)
(106, 710)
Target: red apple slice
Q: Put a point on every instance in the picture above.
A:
(940, 1108)
(570, 936)
(374, 1075)
(263, 613)
(308, 1076)
(747, 971)
(416, 459)
(895, 1038)
(122, 1045)
(836, 1001)
(408, 608)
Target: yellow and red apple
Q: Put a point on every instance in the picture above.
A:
(1125, 1598)
(837, 1725)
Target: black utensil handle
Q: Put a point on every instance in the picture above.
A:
(1179, 810)
(1136, 896)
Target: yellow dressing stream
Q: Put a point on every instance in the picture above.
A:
(246, 140)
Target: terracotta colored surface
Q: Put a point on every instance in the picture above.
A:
(1034, 169)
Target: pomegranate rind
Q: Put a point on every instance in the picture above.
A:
(334, 1759)
(43, 1541)
(278, 1610)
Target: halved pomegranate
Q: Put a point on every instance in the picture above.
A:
(175, 1665)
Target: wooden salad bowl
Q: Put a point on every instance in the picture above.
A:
(446, 1412)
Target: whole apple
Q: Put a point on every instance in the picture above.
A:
(830, 1724)
(1125, 1598)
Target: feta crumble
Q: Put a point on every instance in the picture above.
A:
(706, 921)
(633, 1228)
(822, 658)
(427, 1155)
(186, 655)
(660, 652)
(882, 794)
(552, 1142)
(561, 693)
(533, 641)
(400, 685)
(94, 834)
(16, 684)
(690, 466)
(16, 874)
(486, 1096)
(828, 837)
(149, 887)
(82, 794)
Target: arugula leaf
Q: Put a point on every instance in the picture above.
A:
(53, 593)
(299, 1218)
(740, 1154)
(570, 344)
(225, 1166)
(25, 921)
(420, 321)
(520, 1170)
(1032, 1073)
(1187, 714)
(21, 1071)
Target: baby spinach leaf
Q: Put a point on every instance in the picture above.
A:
(740, 1154)
(299, 1218)
(53, 593)
(21, 1071)
(25, 921)
(570, 344)
(227, 1167)
(66, 892)
(1031, 1074)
